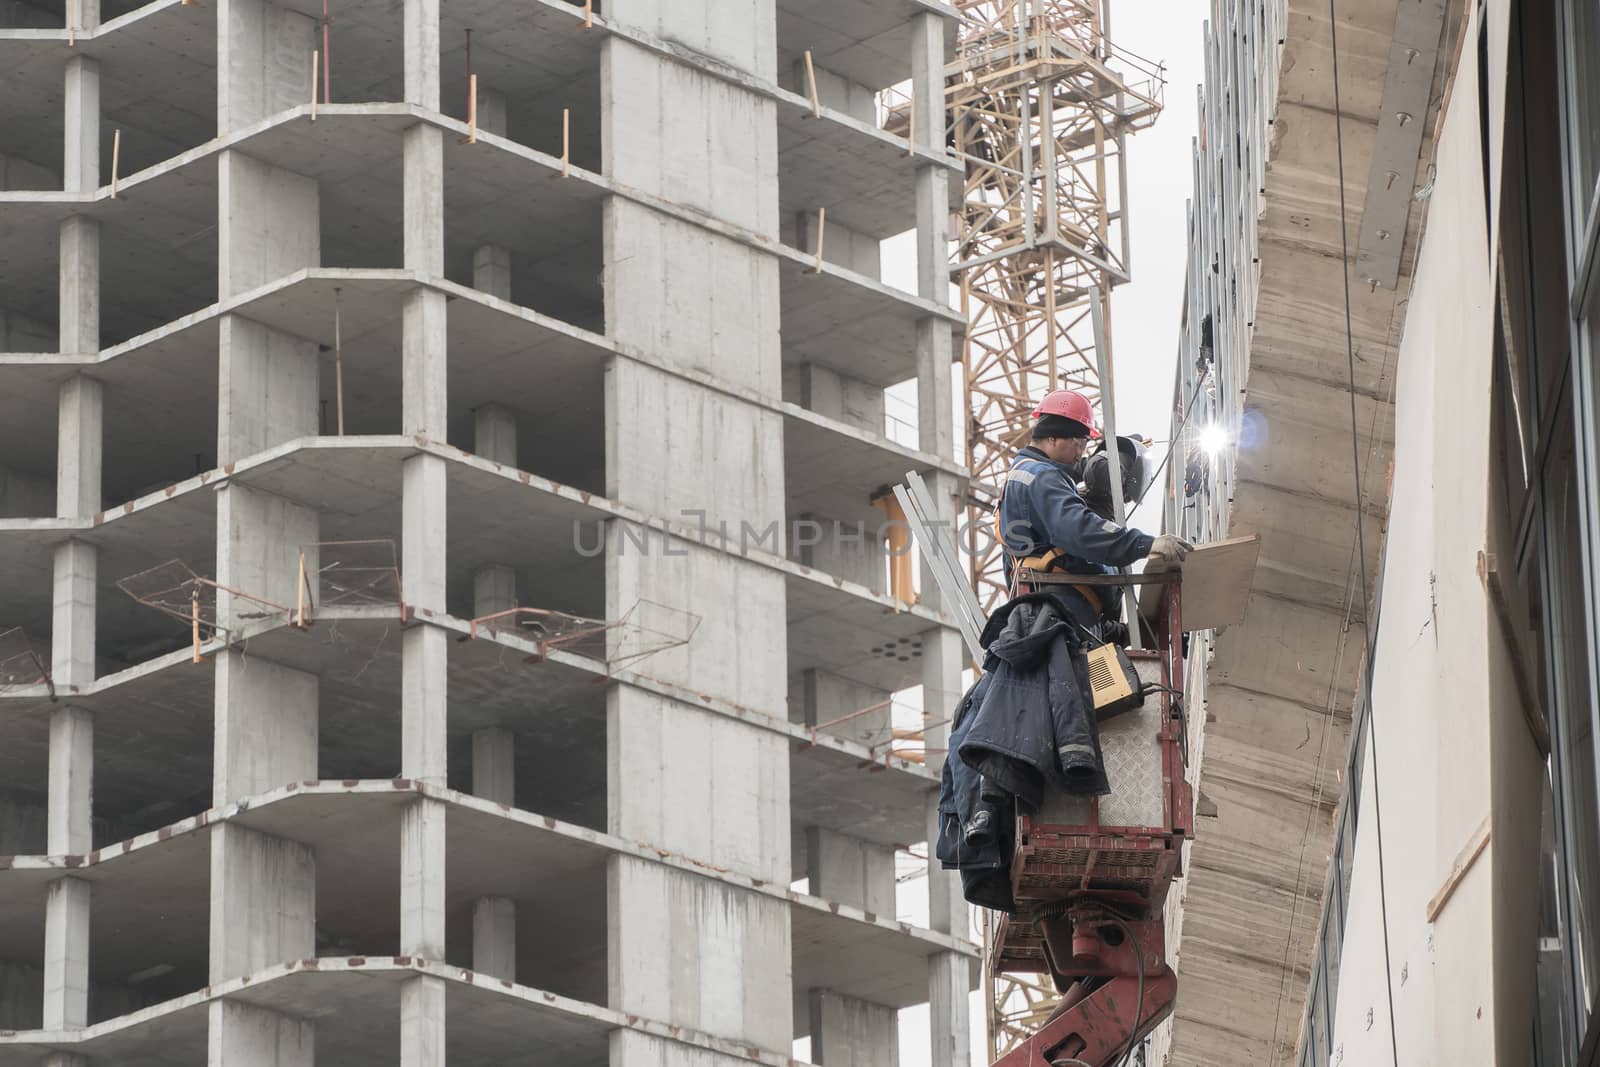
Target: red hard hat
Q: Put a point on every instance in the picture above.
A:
(1071, 405)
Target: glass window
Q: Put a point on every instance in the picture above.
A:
(1573, 749)
(1551, 1047)
(1583, 78)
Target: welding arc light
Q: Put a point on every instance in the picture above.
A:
(1213, 439)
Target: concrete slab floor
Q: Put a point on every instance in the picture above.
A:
(834, 316)
(353, 1002)
(541, 63)
(151, 59)
(160, 711)
(353, 484)
(354, 829)
(163, 419)
(867, 41)
(317, 215)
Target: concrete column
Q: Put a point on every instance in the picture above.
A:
(838, 396)
(422, 1022)
(79, 447)
(263, 888)
(76, 563)
(850, 871)
(263, 61)
(846, 1032)
(263, 902)
(949, 1010)
(494, 589)
(494, 919)
(943, 655)
(72, 645)
(267, 380)
(491, 264)
(263, 913)
(422, 880)
(268, 388)
(270, 226)
(66, 955)
(686, 950)
(492, 112)
(424, 330)
(819, 697)
(935, 403)
(495, 434)
(494, 765)
(67, 915)
(78, 490)
(88, 15)
(422, 52)
(841, 245)
(837, 92)
(80, 285)
(266, 727)
(422, 931)
(494, 937)
(935, 351)
(949, 974)
(80, 161)
(424, 702)
(71, 787)
(69, 812)
(491, 270)
(423, 161)
(245, 1034)
(79, 329)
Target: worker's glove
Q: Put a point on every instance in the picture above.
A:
(1170, 549)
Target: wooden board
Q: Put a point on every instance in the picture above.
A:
(1216, 584)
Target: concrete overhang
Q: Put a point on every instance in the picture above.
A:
(160, 706)
(537, 54)
(354, 828)
(498, 515)
(1282, 685)
(157, 66)
(165, 385)
(161, 711)
(832, 316)
(353, 1002)
(867, 41)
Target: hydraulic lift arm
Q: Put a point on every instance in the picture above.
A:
(1117, 984)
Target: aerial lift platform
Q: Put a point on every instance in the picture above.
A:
(1090, 875)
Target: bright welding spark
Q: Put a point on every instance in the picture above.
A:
(1213, 439)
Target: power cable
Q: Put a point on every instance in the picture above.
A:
(1361, 536)
(1177, 435)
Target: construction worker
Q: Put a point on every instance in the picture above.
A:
(1046, 526)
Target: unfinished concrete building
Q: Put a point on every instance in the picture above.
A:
(432, 437)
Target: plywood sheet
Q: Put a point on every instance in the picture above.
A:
(1216, 584)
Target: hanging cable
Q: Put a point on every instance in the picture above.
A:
(338, 361)
(1177, 435)
(1361, 536)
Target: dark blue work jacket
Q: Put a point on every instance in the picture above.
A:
(1041, 510)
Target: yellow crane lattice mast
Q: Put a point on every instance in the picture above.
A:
(1039, 111)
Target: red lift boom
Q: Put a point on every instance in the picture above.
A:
(1090, 876)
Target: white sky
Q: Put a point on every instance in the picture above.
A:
(1144, 314)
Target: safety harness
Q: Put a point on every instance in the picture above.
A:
(1052, 559)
